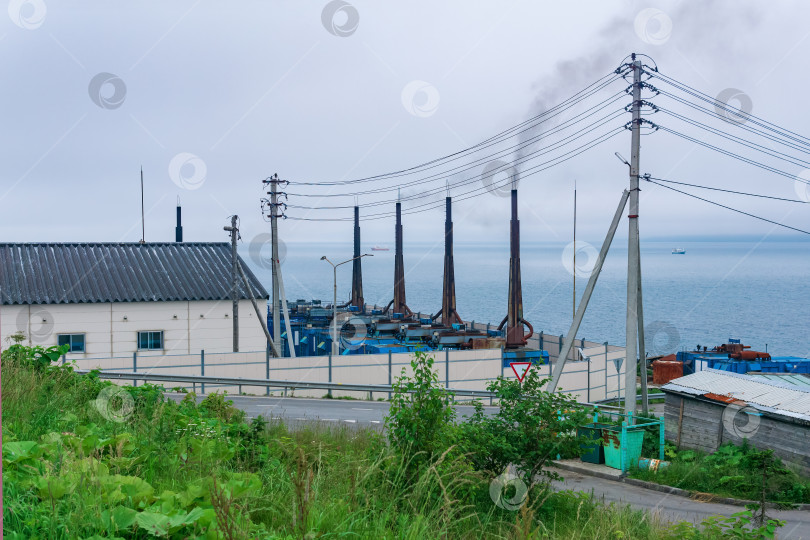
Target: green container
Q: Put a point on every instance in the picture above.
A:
(613, 450)
(592, 450)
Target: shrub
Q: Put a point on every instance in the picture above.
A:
(420, 419)
(531, 427)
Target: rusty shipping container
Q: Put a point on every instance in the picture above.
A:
(666, 369)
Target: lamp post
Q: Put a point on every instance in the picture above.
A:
(334, 297)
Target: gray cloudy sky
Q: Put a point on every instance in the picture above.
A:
(211, 97)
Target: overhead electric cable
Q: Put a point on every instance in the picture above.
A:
(730, 208)
(647, 177)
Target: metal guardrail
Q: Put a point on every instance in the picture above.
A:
(237, 381)
(268, 383)
(659, 395)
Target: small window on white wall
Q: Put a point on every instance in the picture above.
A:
(75, 341)
(151, 340)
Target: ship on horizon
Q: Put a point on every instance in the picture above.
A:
(380, 248)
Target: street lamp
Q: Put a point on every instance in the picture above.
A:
(334, 298)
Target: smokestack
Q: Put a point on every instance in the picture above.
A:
(400, 306)
(448, 312)
(514, 315)
(178, 230)
(357, 271)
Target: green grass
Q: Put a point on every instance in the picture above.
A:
(182, 470)
(729, 473)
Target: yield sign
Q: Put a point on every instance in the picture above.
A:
(520, 369)
(618, 363)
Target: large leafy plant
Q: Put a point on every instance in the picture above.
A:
(531, 427)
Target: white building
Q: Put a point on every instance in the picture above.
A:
(113, 299)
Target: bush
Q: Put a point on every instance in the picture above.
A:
(531, 427)
(421, 418)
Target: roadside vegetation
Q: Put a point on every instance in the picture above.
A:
(83, 458)
(731, 471)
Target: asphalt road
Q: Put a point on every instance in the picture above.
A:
(340, 411)
(674, 507)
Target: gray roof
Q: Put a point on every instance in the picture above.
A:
(777, 397)
(64, 273)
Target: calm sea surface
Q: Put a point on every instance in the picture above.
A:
(759, 293)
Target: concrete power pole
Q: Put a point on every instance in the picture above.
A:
(633, 320)
(234, 281)
(274, 241)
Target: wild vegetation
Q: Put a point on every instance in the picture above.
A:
(83, 458)
(732, 471)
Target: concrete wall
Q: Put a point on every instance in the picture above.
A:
(111, 329)
(703, 425)
(470, 370)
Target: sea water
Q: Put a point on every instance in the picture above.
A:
(757, 292)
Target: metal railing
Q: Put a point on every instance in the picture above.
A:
(304, 385)
(267, 383)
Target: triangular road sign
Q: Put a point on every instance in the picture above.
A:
(520, 369)
(618, 363)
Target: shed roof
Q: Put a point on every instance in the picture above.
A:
(65, 273)
(778, 397)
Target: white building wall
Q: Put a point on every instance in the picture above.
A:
(111, 329)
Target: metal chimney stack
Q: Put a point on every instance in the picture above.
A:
(399, 304)
(514, 315)
(178, 230)
(448, 313)
(357, 270)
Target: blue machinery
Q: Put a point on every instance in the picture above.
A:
(396, 328)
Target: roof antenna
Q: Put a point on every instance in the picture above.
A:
(143, 224)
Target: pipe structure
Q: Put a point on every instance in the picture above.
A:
(357, 270)
(515, 337)
(448, 313)
(399, 304)
(178, 230)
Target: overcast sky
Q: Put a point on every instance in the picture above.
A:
(211, 97)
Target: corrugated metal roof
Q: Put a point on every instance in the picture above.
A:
(64, 273)
(778, 397)
(794, 379)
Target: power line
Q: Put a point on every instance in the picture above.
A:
(730, 208)
(503, 135)
(491, 157)
(745, 142)
(479, 191)
(651, 178)
(735, 156)
(733, 110)
(743, 126)
(512, 164)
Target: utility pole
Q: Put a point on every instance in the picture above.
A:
(273, 205)
(274, 241)
(234, 281)
(633, 253)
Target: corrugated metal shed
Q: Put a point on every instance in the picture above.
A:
(64, 273)
(777, 397)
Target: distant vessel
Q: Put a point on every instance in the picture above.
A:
(679, 251)
(379, 248)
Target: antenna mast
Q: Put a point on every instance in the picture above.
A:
(143, 222)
